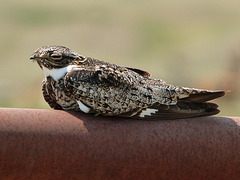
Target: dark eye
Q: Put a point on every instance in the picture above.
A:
(56, 56)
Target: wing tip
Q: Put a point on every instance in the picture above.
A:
(183, 111)
(204, 96)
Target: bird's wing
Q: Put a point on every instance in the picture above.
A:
(93, 87)
(189, 103)
(101, 76)
(102, 89)
(201, 95)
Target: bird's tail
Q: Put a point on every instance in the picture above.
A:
(193, 105)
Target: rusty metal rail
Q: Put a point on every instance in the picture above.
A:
(51, 144)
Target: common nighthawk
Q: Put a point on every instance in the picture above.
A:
(80, 83)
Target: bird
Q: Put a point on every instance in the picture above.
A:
(74, 82)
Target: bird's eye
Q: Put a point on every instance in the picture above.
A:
(56, 56)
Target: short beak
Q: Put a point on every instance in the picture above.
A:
(32, 57)
(35, 58)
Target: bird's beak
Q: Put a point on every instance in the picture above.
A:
(35, 58)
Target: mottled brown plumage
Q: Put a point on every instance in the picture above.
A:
(76, 82)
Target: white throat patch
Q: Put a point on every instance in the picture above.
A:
(57, 74)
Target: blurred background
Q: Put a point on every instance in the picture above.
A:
(188, 43)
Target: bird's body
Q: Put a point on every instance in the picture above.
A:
(79, 83)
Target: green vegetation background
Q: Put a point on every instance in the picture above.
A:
(189, 43)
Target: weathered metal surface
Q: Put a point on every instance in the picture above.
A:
(51, 144)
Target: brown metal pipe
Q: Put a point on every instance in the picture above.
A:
(52, 144)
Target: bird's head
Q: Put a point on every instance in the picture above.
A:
(55, 57)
